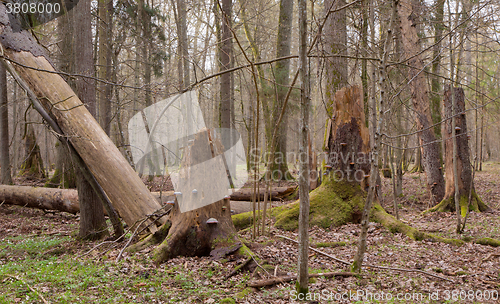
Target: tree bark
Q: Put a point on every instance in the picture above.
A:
(464, 170)
(420, 99)
(6, 177)
(120, 182)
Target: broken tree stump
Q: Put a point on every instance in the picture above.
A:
(122, 185)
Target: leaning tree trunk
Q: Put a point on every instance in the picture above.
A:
(6, 176)
(191, 233)
(122, 185)
(465, 182)
(420, 98)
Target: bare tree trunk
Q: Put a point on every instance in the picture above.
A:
(6, 177)
(104, 64)
(92, 221)
(303, 277)
(225, 59)
(420, 98)
(279, 167)
(464, 172)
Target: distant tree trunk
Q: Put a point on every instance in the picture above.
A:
(225, 59)
(303, 273)
(183, 43)
(436, 67)
(92, 221)
(464, 171)
(146, 50)
(420, 98)
(104, 63)
(279, 167)
(6, 177)
(33, 163)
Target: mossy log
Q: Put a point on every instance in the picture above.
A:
(464, 170)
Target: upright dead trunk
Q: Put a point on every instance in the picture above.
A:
(201, 231)
(6, 177)
(420, 99)
(92, 221)
(464, 171)
(436, 66)
(120, 182)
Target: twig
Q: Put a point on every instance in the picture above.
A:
(368, 265)
(277, 280)
(29, 287)
(130, 239)
(238, 268)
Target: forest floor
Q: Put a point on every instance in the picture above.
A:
(42, 262)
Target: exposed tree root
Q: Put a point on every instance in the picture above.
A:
(395, 226)
(448, 204)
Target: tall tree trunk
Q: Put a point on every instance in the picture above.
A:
(225, 59)
(436, 67)
(464, 171)
(279, 167)
(92, 221)
(303, 277)
(6, 177)
(146, 50)
(104, 63)
(420, 98)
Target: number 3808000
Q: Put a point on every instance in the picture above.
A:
(32, 7)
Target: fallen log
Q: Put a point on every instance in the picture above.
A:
(64, 200)
(285, 279)
(246, 194)
(42, 198)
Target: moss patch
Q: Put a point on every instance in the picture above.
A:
(331, 244)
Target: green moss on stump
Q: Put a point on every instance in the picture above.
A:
(332, 204)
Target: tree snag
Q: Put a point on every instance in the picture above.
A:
(465, 182)
(341, 197)
(198, 232)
